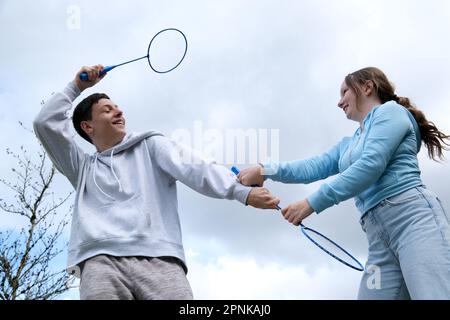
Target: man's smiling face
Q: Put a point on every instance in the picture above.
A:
(108, 122)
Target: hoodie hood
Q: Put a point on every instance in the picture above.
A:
(128, 141)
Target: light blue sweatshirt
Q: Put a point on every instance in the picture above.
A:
(378, 162)
(126, 196)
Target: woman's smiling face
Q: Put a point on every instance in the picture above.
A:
(348, 102)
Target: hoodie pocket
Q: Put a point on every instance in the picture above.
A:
(120, 219)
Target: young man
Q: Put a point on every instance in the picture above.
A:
(126, 238)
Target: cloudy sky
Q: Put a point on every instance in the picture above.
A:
(251, 65)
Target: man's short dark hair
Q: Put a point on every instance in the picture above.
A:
(83, 112)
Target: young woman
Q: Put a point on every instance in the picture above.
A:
(407, 228)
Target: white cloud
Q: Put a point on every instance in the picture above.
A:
(228, 277)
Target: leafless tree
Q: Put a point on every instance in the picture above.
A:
(26, 270)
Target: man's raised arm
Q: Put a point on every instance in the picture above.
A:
(52, 125)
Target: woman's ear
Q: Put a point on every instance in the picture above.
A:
(368, 88)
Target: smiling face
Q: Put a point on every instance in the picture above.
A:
(348, 102)
(362, 90)
(107, 127)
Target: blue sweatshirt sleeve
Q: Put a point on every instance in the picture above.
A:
(306, 170)
(389, 126)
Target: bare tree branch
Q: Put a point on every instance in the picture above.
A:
(25, 257)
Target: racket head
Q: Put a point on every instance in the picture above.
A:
(331, 248)
(152, 41)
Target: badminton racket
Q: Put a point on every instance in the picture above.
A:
(152, 52)
(327, 245)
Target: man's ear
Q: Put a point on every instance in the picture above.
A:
(87, 127)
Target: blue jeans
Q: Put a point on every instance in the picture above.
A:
(409, 248)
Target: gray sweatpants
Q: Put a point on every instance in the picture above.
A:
(105, 277)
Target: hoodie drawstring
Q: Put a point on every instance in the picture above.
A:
(112, 169)
(114, 174)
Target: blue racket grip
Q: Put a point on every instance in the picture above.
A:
(84, 76)
(235, 170)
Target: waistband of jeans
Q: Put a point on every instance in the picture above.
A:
(383, 202)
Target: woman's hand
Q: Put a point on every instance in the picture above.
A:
(252, 176)
(296, 212)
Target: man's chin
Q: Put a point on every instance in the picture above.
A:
(122, 134)
(119, 135)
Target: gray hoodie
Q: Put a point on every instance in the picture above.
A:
(126, 196)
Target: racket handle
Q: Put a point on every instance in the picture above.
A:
(236, 172)
(84, 76)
